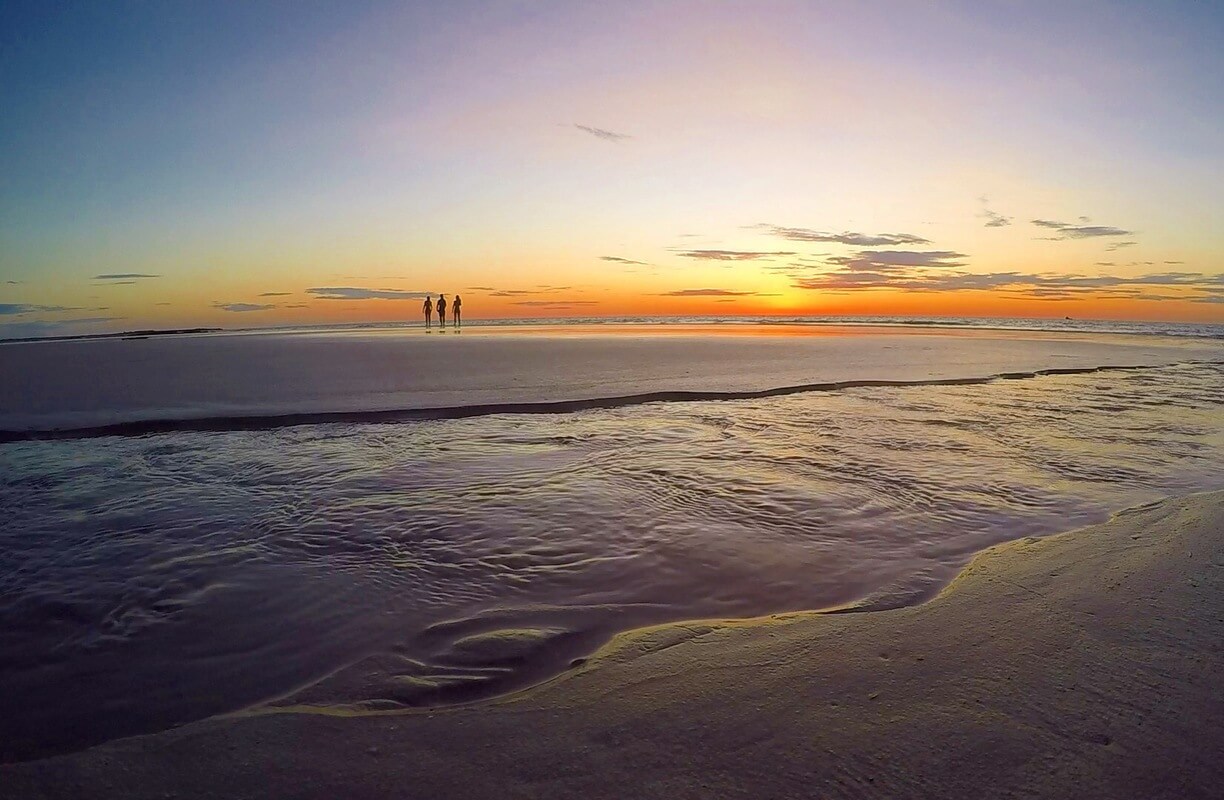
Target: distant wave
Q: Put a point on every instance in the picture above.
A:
(271, 421)
(1067, 325)
(1179, 329)
(1130, 328)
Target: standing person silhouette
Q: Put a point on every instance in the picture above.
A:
(428, 309)
(441, 307)
(456, 310)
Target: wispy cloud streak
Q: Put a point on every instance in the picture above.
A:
(732, 255)
(846, 237)
(877, 260)
(704, 293)
(619, 260)
(243, 307)
(556, 303)
(993, 218)
(356, 293)
(602, 133)
(1068, 231)
(14, 309)
(1193, 285)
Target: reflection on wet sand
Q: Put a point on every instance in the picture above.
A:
(172, 577)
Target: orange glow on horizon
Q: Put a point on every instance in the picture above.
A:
(607, 303)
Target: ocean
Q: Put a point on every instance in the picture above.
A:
(388, 518)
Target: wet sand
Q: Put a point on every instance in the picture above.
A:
(1080, 665)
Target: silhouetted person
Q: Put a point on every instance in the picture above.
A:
(457, 310)
(428, 309)
(441, 308)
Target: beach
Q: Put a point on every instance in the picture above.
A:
(654, 399)
(496, 542)
(1080, 665)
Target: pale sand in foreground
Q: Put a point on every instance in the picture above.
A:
(1082, 665)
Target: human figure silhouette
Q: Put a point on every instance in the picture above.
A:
(456, 310)
(428, 309)
(441, 307)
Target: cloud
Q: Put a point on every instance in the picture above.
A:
(846, 237)
(893, 259)
(556, 303)
(275, 294)
(242, 307)
(1119, 245)
(914, 282)
(704, 293)
(39, 328)
(115, 276)
(619, 260)
(354, 293)
(13, 283)
(10, 309)
(479, 289)
(1038, 285)
(993, 218)
(543, 289)
(1178, 279)
(732, 255)
(381, 278)
(1150, 296)
(606, 135)
(1067, 231)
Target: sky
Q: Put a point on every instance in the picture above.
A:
(181, 164)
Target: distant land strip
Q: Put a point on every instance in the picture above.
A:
(147, 427)
(121, 335)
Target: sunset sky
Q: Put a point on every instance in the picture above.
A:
(173, 164)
